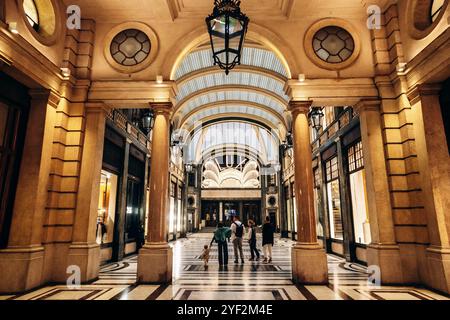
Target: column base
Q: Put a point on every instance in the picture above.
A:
(155, 263)
(387, 258)
(309, 264)
(87, 257)
(22, 268)
(438, 259)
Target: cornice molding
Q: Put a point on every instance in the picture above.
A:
(416, 93)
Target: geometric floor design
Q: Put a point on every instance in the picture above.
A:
(251, 281)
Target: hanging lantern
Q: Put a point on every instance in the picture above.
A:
(315, 118)
(148, 121)
(227, 27)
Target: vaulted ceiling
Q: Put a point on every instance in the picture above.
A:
(118, 10)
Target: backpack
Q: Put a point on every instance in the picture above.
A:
(239, 230)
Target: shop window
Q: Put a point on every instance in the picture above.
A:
(106, 207)
(358, 193)
(334, 199)
(179, 207)
(13, 123)
(317, 183)
(445, 109)
(294, 208)
(355, 158)
(173, 191)
(133, 217)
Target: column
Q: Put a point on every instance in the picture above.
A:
(309, 260)
(155, 257)
(220, 211)
(84, 251)
(384, 251)
(21, 263)
(344, 191)
(119, 222)
(434, 166)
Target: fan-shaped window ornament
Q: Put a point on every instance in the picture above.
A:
(130, 47)
(333, 44)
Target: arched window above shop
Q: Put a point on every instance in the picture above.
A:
(32, 14)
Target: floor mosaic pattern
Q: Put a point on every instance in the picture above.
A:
(250, 281)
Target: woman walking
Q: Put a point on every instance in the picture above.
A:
(252, 240)
(267, 231)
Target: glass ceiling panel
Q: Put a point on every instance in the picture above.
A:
(197, 117)
(236, 78)
(214, 97)
(234, 134)
(254, 57)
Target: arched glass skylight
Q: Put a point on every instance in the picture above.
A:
(230, 109)
(254, 57)
(233, 135)
(253, 80)
(234, 95)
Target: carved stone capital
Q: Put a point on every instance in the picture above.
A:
(297, 107)
(51, 97)
(418, 91)
(162, 108)
(367, 105)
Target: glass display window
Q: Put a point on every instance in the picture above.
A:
(172, 214)
(106, 207)
(358, 193)
(334, 199)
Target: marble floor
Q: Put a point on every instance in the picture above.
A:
(251, 281)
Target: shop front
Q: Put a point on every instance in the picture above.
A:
(122, 198)
(14, 107)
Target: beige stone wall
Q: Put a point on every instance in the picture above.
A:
(399, 133)
(67, 152)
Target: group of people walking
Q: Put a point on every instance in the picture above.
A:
(236, 234)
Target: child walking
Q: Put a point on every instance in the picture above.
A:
(205, 255)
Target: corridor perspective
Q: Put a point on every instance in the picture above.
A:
(132, 132)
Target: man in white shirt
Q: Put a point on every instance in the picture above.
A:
(237, 233)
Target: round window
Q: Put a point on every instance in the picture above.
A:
(424, 16)
(130, 47)
(333, 44)
(41, 19)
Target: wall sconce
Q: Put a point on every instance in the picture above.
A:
(159, 79)
(12, 26)
(401, 68)
(65, 72)
(301, 77)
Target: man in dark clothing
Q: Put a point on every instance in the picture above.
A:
(268, 231)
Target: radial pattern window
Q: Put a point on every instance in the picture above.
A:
(130, 47)
(436, 8)
(333, 44)
(31, 12)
